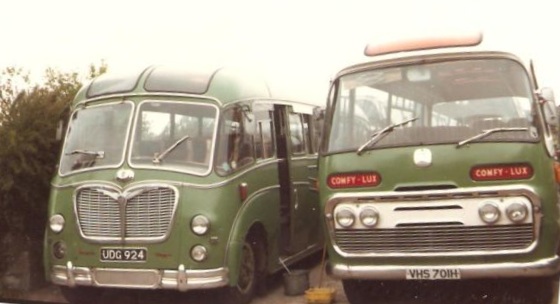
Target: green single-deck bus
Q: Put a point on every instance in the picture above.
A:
(182, 179)
(438, 164)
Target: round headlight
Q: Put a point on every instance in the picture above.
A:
(56, 223)
(345, 218)
(199, 253)
(369, 216)
(200, 224)
(489, 212)
(517, 212)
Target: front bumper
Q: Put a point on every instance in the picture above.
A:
(180, 279)
(543, 267)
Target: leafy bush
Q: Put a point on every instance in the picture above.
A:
(30, 115)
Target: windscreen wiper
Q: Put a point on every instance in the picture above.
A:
(375, 136)
(488, 132)
(97, 154)
(158, 157)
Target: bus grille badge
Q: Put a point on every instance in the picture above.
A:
(125, 175)
(423, 157)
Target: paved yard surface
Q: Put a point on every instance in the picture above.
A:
(275, 294)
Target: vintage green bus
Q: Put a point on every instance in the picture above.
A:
(181, 179)
(437, 164)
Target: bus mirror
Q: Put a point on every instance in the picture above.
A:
(319, 113)
(59, 129)
(234, 127)
(550, 114)
(547, 94)
(546, 98)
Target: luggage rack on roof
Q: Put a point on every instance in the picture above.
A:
(423, 43)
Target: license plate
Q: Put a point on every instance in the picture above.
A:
(123, 254)
(433, 274)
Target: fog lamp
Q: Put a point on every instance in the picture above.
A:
(59, 250)
(199, 253)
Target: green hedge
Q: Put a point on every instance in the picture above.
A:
(29, 117)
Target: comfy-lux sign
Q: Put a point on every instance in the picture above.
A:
(348, 180)
(501, 172)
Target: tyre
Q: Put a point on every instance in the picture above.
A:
(251, 274)
(81, 295)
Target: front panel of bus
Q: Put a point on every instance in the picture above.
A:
(135, 192)
(438, 162)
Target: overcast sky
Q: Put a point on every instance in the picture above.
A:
(303, 43)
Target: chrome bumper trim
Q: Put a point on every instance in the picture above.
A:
(179, 279)
(543, 267)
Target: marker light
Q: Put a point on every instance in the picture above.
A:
(424, 43)
(557, 172)
(243, 191)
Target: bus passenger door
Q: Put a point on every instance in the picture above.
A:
(297, 211)
(282, 153)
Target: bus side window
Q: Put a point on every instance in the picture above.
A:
(264, 140)
(236, 148)
(298, 141)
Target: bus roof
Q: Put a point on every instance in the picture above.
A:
(224, 84)
(407, 50)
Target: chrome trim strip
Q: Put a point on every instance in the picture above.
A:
(87, 182)
(179, 279)
(146, 94)
(475, 192)
(542, 267)
(229, 179)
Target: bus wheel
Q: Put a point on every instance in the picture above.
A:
(244, 291)
(81, 295)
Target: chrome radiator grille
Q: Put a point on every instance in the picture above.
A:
(435, 239)
(140, 213)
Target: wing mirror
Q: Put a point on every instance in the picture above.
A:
(549, 106)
